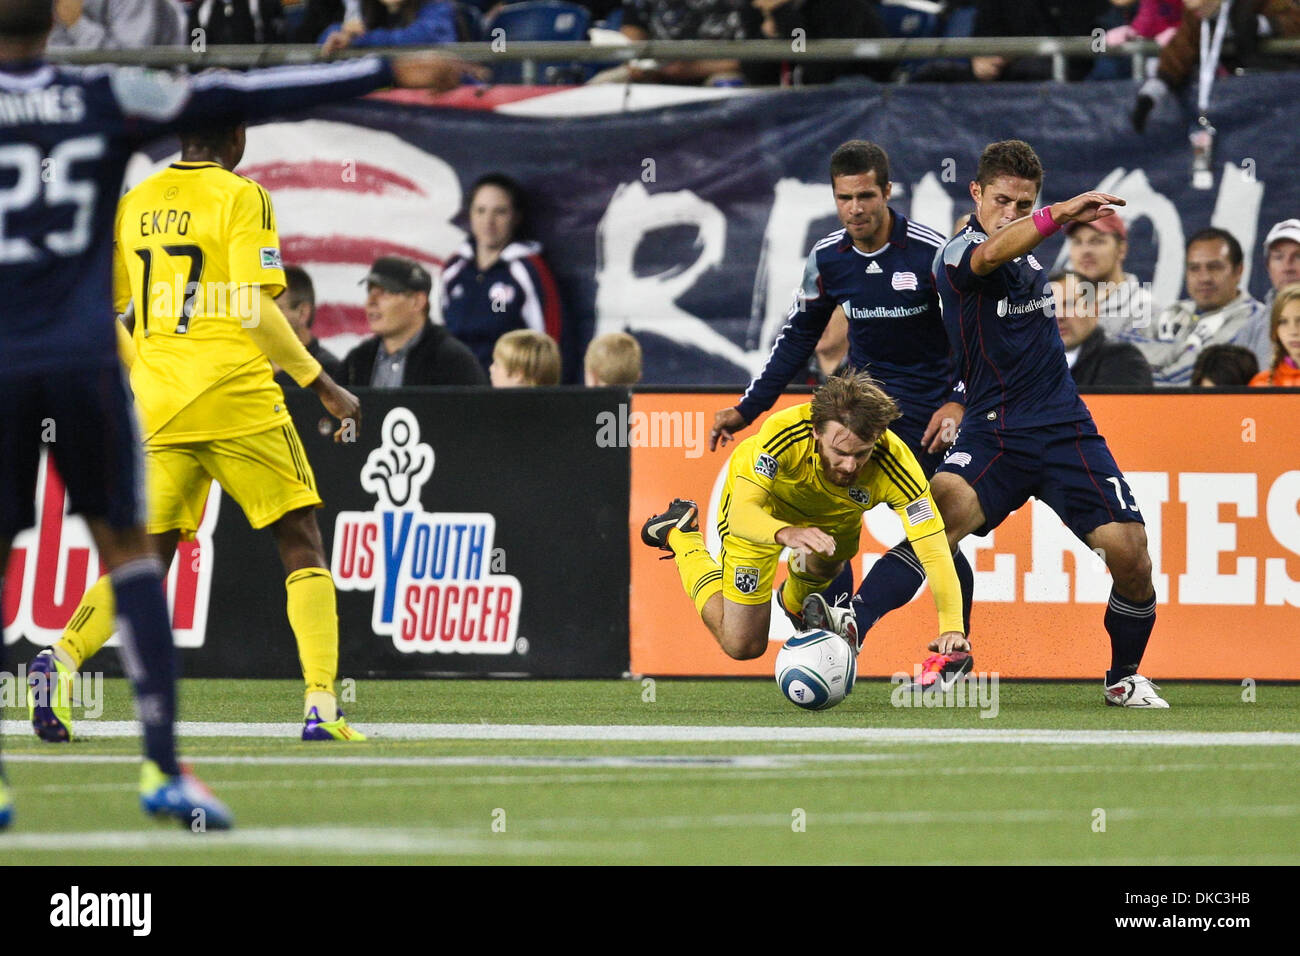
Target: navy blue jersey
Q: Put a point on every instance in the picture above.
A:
(1004, 335)
(895, 328)
(66, 135)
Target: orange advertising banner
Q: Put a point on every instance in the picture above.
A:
(1217, 478)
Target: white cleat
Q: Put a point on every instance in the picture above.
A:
(1135, 691)
(817, 613)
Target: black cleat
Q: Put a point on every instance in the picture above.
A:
(682, 514)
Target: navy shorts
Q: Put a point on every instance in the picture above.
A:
(84, 418)
(1068, 467)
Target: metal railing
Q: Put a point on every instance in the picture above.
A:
(530, 53)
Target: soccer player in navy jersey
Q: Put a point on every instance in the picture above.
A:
(1026, 431)
(65, 138)
(877, 268)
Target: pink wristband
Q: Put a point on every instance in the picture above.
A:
(1044, 223)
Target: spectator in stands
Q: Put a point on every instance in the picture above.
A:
(1224, 366)
(1282, 257)
(698, 20)
(1284, 330)
(1218, 311)
(237, 21)
(1247, 22)
(525, 358)
(613, 359)
(393, 23)
(819, 20)
(498, 281)
(1093, 359)
(1097, 253)
(298, 303)
(1154, 20)
(117, 24)
(407, 348)
(1034, 18)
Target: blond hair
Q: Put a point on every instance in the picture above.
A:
(531, 354)
(857, 402)
(1285, 296)
(614, 359)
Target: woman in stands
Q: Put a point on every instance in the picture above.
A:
(1284, 330)
(498, 282)
(372, 23)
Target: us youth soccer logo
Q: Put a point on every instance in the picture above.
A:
(746, 580)
(431, 572)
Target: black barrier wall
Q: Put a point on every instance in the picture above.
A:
(469, 532)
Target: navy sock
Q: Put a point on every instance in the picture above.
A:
(1129, 625)
(149, 655)
(893, 580)
(842, 585)
(966, 578)
(891, 583)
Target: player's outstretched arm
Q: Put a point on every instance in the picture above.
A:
(1024, 234)
(434, 71)
(806, 541)
(726, 422)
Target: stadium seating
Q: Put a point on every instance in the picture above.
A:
(540, 20)
(911, 18)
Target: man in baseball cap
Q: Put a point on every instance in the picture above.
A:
(408, 348)
(1097, 252)
(1282, 255)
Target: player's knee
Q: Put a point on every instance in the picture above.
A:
(1130, 567)
(744, 645)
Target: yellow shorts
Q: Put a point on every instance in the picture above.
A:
(749, 567)
(267, 474)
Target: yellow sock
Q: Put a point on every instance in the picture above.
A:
(315, 624)
(798, 586)
(90, 626)
(701, 576)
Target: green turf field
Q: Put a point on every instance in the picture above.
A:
(704, 772)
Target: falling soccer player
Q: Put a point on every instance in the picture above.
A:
(803, 482)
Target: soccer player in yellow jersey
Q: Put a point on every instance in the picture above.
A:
(198, 260)
(803, 482)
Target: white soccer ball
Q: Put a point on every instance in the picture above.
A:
(816, 669)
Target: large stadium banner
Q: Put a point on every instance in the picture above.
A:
(685, 215)
(469, 532)
(1216, 480)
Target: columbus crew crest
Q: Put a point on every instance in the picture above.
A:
(861, 497)
(746, 580)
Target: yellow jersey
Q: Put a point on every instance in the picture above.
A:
(195, 246)
(782, 459)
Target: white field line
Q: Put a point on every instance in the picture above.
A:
(326, 840)
(683, 733)
(707, 773)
